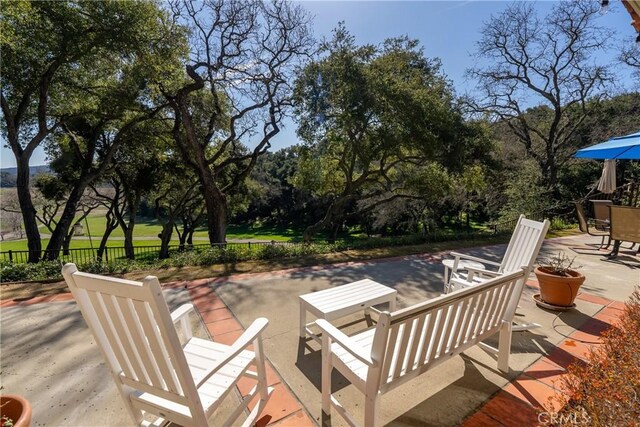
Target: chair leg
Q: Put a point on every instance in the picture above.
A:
(504, 346)
(262, 372)
(371, 409)
(326, 376)
(614, 251)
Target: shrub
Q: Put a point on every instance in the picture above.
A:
(10, 272)
(607, 389)
(558, 223)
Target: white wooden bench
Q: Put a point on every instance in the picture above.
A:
(341, 301)
(410, 341)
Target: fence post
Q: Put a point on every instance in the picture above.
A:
(10, 255)
(249, 244)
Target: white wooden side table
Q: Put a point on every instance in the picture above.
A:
(340, 301)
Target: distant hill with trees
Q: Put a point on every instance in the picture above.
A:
(8, 175)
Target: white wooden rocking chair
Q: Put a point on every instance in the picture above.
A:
(522, 251)
(153, 372)
(410, 341)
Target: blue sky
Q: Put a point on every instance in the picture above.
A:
(447, 30)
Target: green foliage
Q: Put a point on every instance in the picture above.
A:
(50, 187)
(10, 272)
(524, 193)
(379, 123)
(558, 223)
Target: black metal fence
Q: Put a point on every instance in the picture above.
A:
(146, 253)
(152, 253)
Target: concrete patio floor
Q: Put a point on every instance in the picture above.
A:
(49, 356)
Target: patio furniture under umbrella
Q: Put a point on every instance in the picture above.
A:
(622, 147)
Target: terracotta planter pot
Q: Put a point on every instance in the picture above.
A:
(558, 290)
(17, 408)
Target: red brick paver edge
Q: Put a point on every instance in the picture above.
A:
(530, 398)
(283, 407)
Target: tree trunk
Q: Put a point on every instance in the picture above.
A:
(333, 215)
(105, 238)
(34, 243)
(468, 215)
(62, 227)
(67, 242)
(333, 235)
(165, 239)
(216, 204)
(182, 237)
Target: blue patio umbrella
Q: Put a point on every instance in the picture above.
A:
(622, 148)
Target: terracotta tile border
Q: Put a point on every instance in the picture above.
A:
(526, 397)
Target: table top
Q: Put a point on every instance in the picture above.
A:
(359, 293)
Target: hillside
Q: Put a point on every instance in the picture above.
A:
(8, 175)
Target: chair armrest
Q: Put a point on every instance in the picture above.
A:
(181, 311)
(482, 271)
(473, 258)
(180, 315)
(252, 333)
(345, 342)
(460, 282)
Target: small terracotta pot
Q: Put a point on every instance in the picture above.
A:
(558, 290)
(17, 408)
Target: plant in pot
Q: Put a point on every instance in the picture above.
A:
(15, 411)
(559, 283)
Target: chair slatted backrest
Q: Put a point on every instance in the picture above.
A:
(411, 341)
(524, 245)
(625, 223)
(601, 213)
(132, 325)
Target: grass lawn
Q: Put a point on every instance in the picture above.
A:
(150, 227)
(21, 245)
(146, 234)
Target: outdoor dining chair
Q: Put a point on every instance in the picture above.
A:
(154, 373)
(601, 214)
(583, 224)
(625, 226)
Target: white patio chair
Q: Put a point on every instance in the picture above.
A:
(153, 372)
(521, 253)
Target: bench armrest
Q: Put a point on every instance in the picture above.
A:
(245, 340)
(345, 342)
(473, 258)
